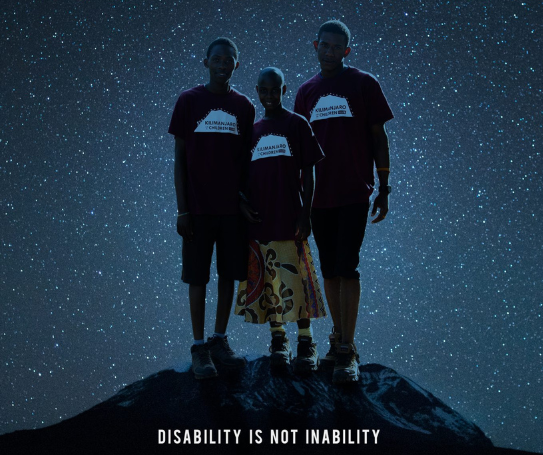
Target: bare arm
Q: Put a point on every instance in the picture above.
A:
(246, 210)
(184, 219)
(303, 224)
(382, 161)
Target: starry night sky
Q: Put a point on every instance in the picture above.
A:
(90, 285)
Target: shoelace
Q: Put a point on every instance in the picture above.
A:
(226, 346)
(305, 348)
(345, 358)
(203, 355)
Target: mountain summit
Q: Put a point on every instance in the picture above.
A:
(255, 411)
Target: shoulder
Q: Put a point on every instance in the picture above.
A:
(310, 83)
(363, 77)
(241, 98)
(298, 124)
(194, 91)
(296, 119)
(190, 93)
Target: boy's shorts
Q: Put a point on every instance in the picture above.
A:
(339, 232)
(229, 233)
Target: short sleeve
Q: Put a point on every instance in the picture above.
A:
(377, 107)
(251, 119)
(299, 106)
(310, 149)
(253, 114)
(178, 123)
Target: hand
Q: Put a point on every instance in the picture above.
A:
(185, 227)
(250, 215)
(303, 227)
(381, 203)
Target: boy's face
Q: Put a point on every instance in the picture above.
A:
(221, 63)
(270, 90)
(331, 50)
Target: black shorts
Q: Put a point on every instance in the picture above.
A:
(229, 233)
(339, 232)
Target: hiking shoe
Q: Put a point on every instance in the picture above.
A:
(222, 354)
(346, 367)
(281, 354)
(202, 365)
(307, 358)
(329, 360)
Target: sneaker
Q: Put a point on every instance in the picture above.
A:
(329, 360)
(202, 365)
(222, 354)
(281, 354)
(346, 367)
(307, 358)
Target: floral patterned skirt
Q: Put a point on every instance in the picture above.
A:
(281, 284)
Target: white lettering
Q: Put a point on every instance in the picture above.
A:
(258, 436)
(218, 121)
(269, 146)
(330, 106)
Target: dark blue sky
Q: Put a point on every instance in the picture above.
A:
(90, 278)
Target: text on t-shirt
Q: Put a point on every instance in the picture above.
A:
(330, 106)
(218, 121)
(271, 145)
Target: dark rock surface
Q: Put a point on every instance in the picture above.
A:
(408, 418)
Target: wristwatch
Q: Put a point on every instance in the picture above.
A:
(385, 189)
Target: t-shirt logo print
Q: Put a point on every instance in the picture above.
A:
(271, 145)
(330, 106)
(218, 121)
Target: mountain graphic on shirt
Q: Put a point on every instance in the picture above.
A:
(269, 146)
(330, 106)
(218, 121)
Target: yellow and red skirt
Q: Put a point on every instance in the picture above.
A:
(282, 284)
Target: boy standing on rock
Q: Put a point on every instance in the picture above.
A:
(347, 111)
(212, 125)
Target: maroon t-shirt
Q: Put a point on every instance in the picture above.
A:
(216, 130)
(281, 147)
(341, 111)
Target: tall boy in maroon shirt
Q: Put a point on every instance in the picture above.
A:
(212, 125)
(347, 111)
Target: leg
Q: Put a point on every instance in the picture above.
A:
(232, 257)
(196, 258)
(221, 353)
(350, 300)
(332, 288)
(325, 230)
(197, 299)
(346, 359)
(196, 262)
(352, 221)
(307, 357)
(224, 304)
(231, 265)
(303, 323)
(202, 365)
(352, 225)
